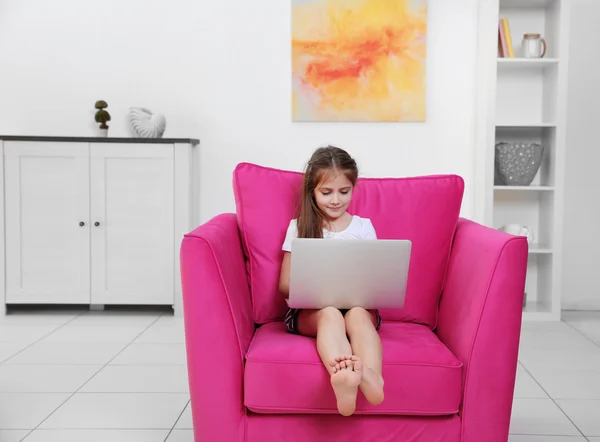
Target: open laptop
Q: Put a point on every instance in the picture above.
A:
(348, 273)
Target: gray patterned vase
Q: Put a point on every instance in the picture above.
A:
(517, 163)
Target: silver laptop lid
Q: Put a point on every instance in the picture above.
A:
(348, 273)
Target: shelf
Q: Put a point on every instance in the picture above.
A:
(532, 125)
(522, 100)
(525, 4)
(523, 134)
(526, 188)
(539, 249)
(527, 62)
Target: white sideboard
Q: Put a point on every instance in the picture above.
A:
(95, 221)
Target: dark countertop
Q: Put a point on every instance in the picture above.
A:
(132, 140)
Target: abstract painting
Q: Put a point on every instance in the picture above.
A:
(358, 60)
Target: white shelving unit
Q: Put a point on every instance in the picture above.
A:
(523, 99)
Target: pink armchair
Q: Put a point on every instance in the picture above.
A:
(449, 356)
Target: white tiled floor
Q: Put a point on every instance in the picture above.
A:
(94, 377)
(100, 376)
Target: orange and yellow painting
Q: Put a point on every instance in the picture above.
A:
(358, 60)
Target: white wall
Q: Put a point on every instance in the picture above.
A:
(220, 71)
(582, 204)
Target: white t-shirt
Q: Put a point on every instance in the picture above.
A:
(359, 228)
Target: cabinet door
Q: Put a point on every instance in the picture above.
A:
(47, 199)
(132, 211)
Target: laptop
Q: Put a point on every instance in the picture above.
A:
(348, 273)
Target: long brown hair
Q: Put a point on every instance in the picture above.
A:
(323, 160)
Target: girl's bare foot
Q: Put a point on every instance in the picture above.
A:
(342, 362)
(371, 385)
(345, 384)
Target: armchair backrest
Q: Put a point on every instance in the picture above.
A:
(423, 209)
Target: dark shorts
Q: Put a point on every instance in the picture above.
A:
(291, 319)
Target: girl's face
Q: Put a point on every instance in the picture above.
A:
(333, 194)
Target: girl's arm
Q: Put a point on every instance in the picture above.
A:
(284, 277)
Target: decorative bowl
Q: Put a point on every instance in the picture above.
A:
(517, 163)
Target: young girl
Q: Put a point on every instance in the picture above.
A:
(347, 340)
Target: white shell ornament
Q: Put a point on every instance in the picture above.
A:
(146, 124)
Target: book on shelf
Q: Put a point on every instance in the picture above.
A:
(505, 46)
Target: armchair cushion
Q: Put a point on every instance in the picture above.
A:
(284, 374)
(422, 209)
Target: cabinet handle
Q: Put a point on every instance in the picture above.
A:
(96, 223)
(81, 224)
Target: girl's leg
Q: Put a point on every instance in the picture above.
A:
(329, 327)
(366, 346)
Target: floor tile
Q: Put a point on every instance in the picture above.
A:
(152, 354)
(564, 358)
(526, 386)
(9, 349)
(25, 333)
(544, 327)
(584, 413)
(115, 319)
(185, 421)
(93, 334)
(67, 353)
(44, 378)
(568, 384)
(181, 436)
(20, 411)
(587, 323)
(170, 320)
(162, 334)
(541, 438)
(118, 411)
(571, 339)
(540, 416)
(37, 319)
(589, 327)
(97, 436)
(13, 435)
(139, 379)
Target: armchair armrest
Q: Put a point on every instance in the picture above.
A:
(480, 321)
(218, 327)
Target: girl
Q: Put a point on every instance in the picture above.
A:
(347, 340)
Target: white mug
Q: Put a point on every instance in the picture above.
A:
(518, 230)
(533, 46)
